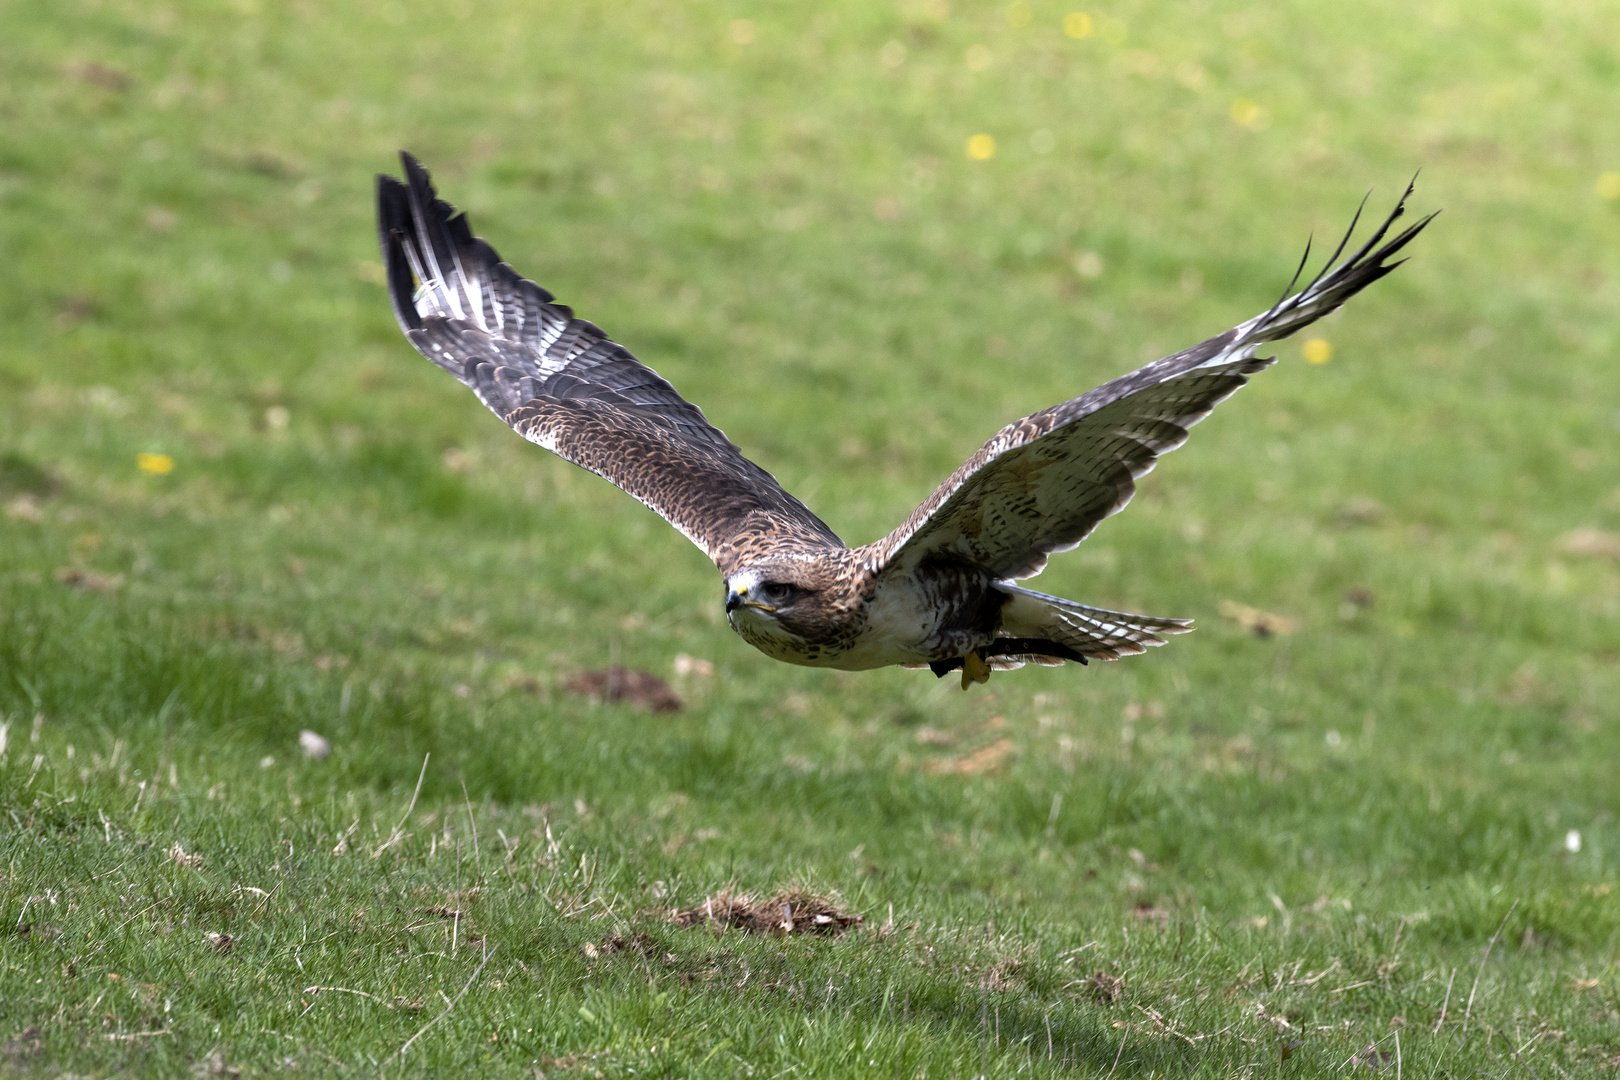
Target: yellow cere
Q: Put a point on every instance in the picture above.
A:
(981, 147)
(1077, 24)
(160, 464)
(1318, 350)
(1608, 185)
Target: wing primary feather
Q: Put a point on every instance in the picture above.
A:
(1298, 270)
(393, 218)
(429, 238)
(1348, 233)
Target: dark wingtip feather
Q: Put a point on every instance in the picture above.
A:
(393, 222)
(1337, 284)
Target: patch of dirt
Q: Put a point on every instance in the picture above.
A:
(637, 943)
(107, 78)
(641, 689)
(1002, 975)
(214, 1065)
(1370, 1057)
(1590, 542)
(88, 580)
(580, 1064)
(1106, 988)
(1148, 911)
(980, 761)
(1262, 624)
(26, 1045)
(795, 912)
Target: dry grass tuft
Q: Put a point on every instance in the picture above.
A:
(178, 856)
(793, 912)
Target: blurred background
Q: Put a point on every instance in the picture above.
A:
(863, 237)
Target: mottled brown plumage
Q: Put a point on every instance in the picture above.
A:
(940, 590)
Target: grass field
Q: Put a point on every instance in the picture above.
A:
(1384, 841)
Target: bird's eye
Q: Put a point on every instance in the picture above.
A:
(776, 592)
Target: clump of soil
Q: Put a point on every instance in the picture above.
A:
(641, 689)
(795, 912)
(1106, 988)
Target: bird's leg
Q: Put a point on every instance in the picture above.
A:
(974, 669)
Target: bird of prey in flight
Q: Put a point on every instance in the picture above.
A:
(941, 591)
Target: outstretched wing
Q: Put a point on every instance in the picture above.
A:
(1043, 483)
(560, 382)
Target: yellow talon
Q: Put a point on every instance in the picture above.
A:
(974, 669)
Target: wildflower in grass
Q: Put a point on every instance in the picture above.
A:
(1246, 113)
(1077, 24)
(978, 58)
(981, 147)
(1572, 841)
(1019, 15)
(157, 464)
(1318, 350)
(1608, 185)
(314, 745)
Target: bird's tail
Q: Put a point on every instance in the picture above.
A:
(1335, 284)
(1095, 633)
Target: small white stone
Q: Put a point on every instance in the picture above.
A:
(313, 745)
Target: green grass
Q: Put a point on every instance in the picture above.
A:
(1279, 846)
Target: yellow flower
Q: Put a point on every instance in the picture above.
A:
(981, 147)
(1077, 24)
(1245, 113)
(1318, 351)
(161, 464)
(1608, 185)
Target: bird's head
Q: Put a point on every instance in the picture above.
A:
(785, 599)
(771, 591)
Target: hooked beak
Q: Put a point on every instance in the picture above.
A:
(737, 598)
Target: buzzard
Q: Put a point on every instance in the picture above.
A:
(941, 591)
